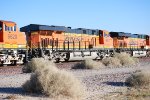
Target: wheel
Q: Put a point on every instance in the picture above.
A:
(57, 60)
(1, 63)
(14, 62)
(67, 57)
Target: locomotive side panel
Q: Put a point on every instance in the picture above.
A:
(121, 40)
(34, 40)
(58, 39)
(147, 42)
(142, 41)
(107, 40)
(73, 41)
(133, 42)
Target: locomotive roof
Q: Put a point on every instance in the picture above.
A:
(7, 21)
(120, 34)
(37, 27)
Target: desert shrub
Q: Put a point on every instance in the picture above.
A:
(11, 97)
(136, 60)
(88, 64)
(37, 63)
(138, 93)
(54, 83)
(129, 94)
(139, 79)
(111, 62)
(125, 59)
(139, 89)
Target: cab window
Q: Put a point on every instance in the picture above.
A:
(93, 32)
(1, 26)
(84, 31)
(105, 35)
(15, 28)
(101, 34)
(6, 28)
(11, 28)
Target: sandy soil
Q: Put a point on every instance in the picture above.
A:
(97, 82)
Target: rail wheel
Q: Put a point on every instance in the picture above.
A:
(57, 60)
(14, 62)
(67, 57)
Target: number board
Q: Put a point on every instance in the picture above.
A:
(12, 36)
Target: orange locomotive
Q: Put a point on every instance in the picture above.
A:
(64, 43)
(12, 43)
(136, 44)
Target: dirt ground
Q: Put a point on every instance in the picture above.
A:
(98, 83)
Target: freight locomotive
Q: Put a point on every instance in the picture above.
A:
(12, 44)
(64, 43)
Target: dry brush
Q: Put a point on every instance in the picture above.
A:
(52, 82)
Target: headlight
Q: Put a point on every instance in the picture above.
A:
(2, 58)
(23, 55)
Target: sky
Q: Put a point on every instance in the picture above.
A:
(132, 16)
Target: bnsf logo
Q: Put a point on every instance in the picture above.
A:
(12, 36)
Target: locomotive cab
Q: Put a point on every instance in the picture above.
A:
(11, 41)
(105, 40)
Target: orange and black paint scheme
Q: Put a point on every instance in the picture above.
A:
(64, 38)
(63, 42)
(67, 41)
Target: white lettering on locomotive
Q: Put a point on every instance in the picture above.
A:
(12, 36)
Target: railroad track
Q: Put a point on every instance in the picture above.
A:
(144, 59)
(7, 70)
(10, 70)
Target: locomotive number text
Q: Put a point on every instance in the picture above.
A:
(12, 36)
